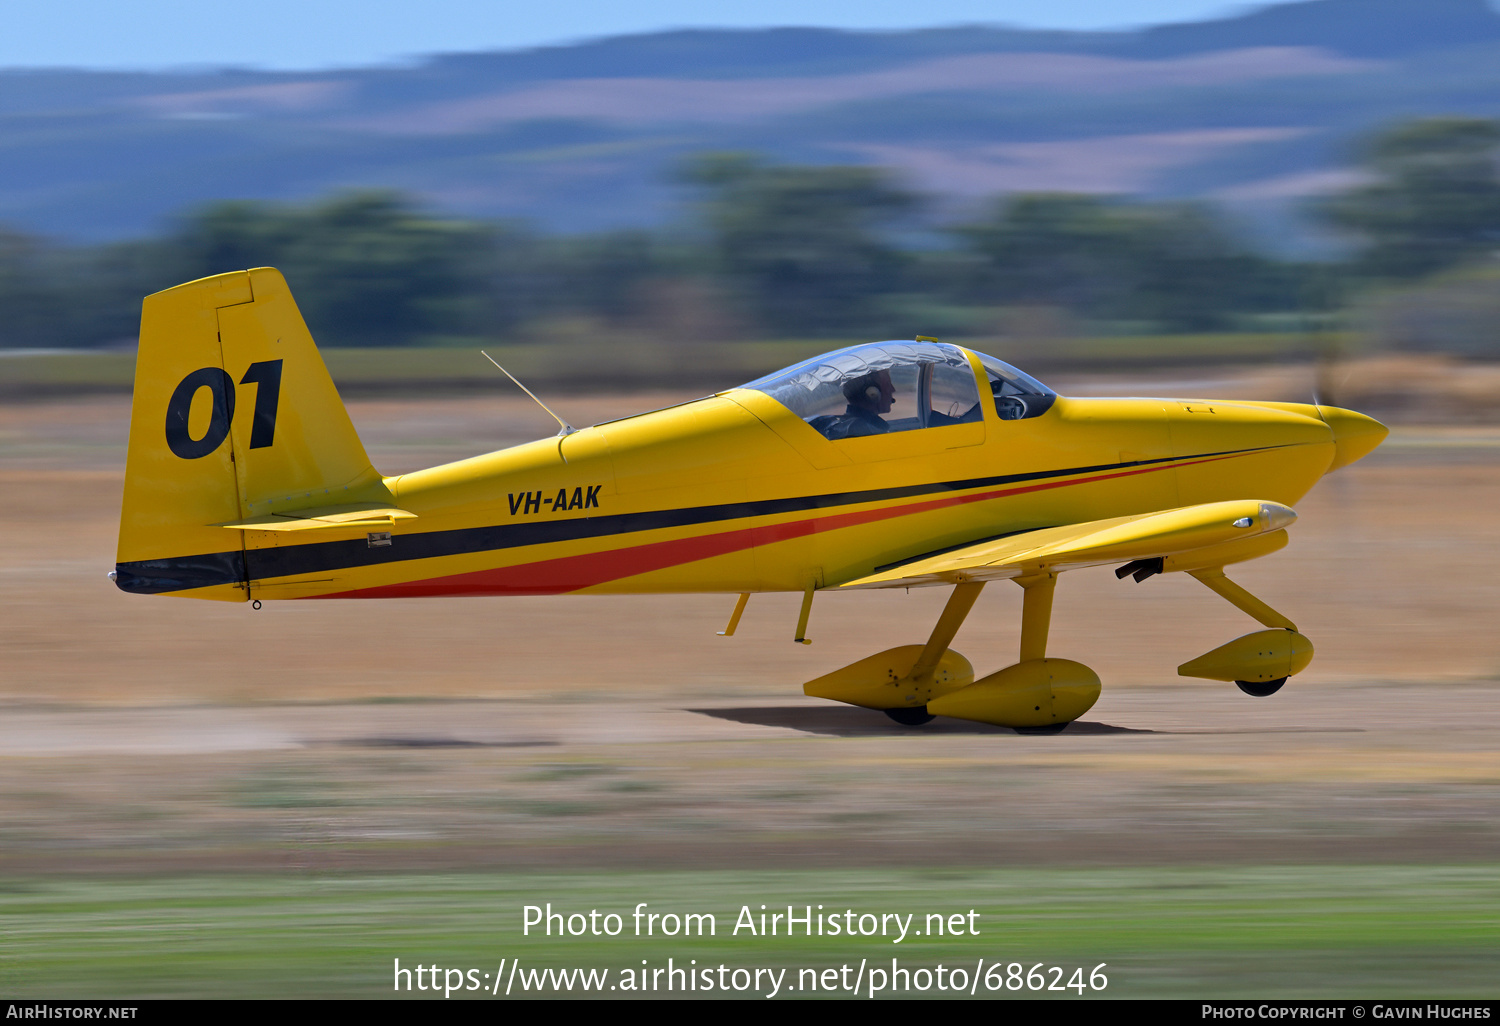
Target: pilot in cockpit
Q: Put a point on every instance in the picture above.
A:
(868, 396)
(850, 393)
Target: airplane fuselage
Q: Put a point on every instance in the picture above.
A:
(735, 493)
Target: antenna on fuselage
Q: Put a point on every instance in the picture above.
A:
(565, 427)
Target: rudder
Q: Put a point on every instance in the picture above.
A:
(234, 416)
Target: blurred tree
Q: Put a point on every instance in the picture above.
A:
(233, 235)
(367, 269)
(1052, 249)
(1457, 311)
(801, 246)
(794, 251)
(31, 298)
(602, 275)
(1434, 201)
(114, 278)
(52, 296)
(1192, 275)
(1174, 265)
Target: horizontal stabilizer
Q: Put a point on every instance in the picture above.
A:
(1095, 543)
(323, 518)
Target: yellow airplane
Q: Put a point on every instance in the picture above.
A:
(891, 465)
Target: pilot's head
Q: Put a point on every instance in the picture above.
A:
(872, 391)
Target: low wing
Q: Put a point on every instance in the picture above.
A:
(1167, 533)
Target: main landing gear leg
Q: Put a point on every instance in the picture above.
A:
(902, 681)
(1036, 695)
(1260, 663)
(954, 613)
(1036, 614)
(1036, 622)
(1241, 599)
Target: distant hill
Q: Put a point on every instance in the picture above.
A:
(1257, 111)
(1358, 28)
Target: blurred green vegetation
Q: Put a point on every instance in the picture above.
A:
(802, 246)
(1172, 266)
(1432, 202)
(647, 363)
(1259, 932)
(771, 254)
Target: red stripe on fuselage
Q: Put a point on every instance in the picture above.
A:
(575, 573)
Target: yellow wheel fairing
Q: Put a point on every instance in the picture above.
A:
(1256, 658)
(881, 681)
(1033, 693)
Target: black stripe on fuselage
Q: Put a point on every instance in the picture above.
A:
(181, 573)
(155, 576)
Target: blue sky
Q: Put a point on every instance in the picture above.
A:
(289, 34)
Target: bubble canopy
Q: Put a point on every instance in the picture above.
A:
(883, 387)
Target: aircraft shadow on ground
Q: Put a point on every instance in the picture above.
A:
(432, 742)
(852, 722)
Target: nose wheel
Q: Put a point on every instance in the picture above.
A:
(1260, 688)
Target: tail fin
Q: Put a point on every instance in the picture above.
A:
(234, 416)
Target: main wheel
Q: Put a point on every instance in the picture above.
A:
(910, 716)
(1051, 728)
(1260, 688)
